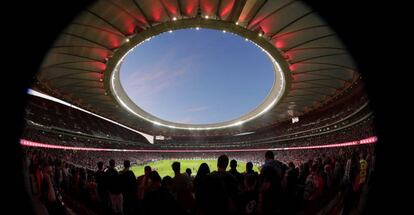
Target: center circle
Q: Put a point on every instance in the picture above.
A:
(197, 76)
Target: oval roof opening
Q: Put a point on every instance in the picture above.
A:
(195, 76)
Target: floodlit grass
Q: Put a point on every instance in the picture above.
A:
(163, 167)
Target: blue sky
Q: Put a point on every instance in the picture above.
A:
(197, 76)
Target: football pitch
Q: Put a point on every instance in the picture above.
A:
(163, 167)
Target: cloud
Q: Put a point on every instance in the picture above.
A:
(155, 82)
(147, 82)
(197, 109)
(186, 119)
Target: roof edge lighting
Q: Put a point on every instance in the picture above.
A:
(369, 140)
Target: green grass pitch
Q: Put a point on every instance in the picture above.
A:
(163, 167)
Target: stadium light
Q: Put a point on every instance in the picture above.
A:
(261, 32)
(239, 123)
(244, 133)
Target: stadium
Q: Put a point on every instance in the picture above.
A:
(95, 139)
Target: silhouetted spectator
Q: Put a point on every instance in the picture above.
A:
(158, 201)
(270, 162)
(291, 178)
(182, 189)
(221, 189)
(202, 172)
(114, 187)
(248, 198)
(189, 173)
(128, 182)
(200, 187)
(271, 201)
(142, 183)
(167, 183)
(249, 169)
(235, 173)
(100, 182)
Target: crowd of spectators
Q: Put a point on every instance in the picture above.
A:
(289, 182)
(358, 131)
(70, 139)
(61, 117)
(310, 124)
(329, 135)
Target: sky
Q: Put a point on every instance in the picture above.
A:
(197, 76)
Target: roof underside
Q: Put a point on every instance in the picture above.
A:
(76, 66)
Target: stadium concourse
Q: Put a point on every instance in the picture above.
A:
(307, 148)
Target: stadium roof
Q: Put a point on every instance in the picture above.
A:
(311, 63)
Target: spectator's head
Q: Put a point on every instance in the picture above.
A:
(188, 171)
(127, 164)
(147, 170)
(222, 162)
(112, 163)
(154, 179)
(249, 166)
(176, 167)
(203, 170)
(291, 165)
(100, 165)
(167, 183)
(233, 164)
(269, 155)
